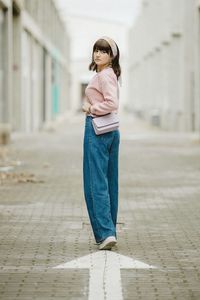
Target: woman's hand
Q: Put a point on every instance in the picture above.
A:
(86, 107)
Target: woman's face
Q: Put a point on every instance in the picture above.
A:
(101, 58)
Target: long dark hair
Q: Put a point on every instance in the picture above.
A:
(103, 45)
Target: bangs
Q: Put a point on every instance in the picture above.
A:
(102, 45)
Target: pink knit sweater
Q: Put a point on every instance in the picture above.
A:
(102, 92)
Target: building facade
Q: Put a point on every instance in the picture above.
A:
(84, 31)
(34, 64)
(164, 52)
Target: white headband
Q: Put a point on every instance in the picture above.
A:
(112, 44)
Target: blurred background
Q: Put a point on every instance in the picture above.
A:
(45, 50)
(46, 47)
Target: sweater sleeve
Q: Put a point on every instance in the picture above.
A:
(109, 89)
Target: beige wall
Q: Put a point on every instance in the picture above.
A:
(34, 64)
(163, 70)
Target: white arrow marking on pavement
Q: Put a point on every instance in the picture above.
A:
(105, 279)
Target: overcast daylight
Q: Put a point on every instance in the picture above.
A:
(123, 11)
(99, 149)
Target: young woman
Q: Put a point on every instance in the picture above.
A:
(100, 152)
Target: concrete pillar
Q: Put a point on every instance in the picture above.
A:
(197, 67)
(189, 37)
(16, 72)
(6, 48)
(165, 85)
(47, 79)
(5, 70)
(26, 109)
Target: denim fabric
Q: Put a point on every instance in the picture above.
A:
(100, 176)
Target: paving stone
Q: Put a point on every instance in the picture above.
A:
(44, 224)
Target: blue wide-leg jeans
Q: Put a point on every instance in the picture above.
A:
(100, 176)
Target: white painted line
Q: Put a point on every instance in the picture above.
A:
(105, 277)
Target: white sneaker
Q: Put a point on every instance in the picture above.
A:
(108, 243)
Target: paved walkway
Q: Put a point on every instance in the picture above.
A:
(44, 223)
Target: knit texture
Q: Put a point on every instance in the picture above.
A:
(102, 92)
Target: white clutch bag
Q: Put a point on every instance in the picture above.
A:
(106, 123)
